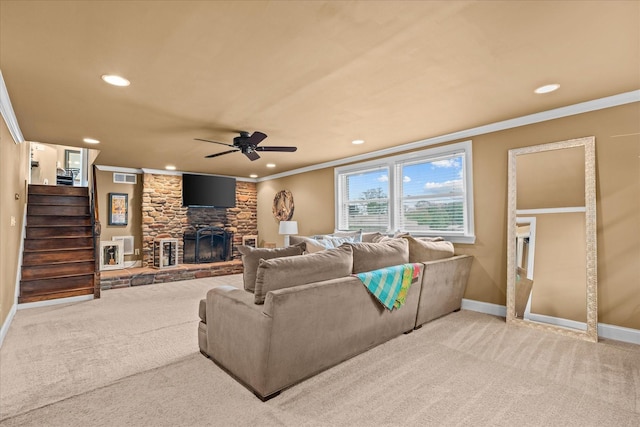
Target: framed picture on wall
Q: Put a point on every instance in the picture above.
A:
(118, 208)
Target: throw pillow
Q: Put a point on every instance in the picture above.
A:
(380, 238)
(330, 242)
(356, 235)
(428, 248)
(372, 236)
(251, 258)
(280, 273)
(312, 245)
(372, 256)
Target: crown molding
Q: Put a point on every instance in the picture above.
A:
(556, 113)
(6, 109)
(106, 168)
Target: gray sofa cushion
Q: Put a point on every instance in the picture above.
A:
(372, 256)
(428, 249)
(251, 258)
(292, 271)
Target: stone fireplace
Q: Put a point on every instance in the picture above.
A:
(164, 215)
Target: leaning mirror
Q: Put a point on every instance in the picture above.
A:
(551, 247)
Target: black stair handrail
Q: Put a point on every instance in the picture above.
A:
(95, 231)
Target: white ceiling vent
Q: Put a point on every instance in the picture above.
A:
(127, 242)
(125, 178)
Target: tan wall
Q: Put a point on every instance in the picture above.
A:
(105, 185)
(313, 201)
(618, 210)
(14, 170)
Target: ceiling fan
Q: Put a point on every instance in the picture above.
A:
(248, 145)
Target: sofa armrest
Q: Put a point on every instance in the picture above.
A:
(238, 334)
(443, 284)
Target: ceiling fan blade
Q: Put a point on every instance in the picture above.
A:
(283, 149)
(252, 155)
(256, 138)
(215, 142)
(220, 154)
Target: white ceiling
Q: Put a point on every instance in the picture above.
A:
(312, 74)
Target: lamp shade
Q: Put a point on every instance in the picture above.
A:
(288, 227)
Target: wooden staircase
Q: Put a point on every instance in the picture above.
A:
(58, 259)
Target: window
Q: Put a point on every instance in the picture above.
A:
(426, 193)
(365, 200)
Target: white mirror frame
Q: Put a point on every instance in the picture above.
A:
(591, 333)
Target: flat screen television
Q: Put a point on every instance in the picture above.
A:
(209, 191)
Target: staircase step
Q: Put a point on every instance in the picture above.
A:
(56, 284)
(54, 199)
(55, 295)
(45, 231)
(44, 271)
(58, 243)
(57, 255)
(52, 220)
(57, 210)
(58, 190)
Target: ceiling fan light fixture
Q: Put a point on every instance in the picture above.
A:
(91, 141)
(248, 145)
(547, 88)
(115, 80)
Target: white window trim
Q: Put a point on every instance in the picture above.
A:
(390, 162)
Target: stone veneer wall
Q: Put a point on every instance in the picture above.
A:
(164, 216)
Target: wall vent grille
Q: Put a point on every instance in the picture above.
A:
(125, 178)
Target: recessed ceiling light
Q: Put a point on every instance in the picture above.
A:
(112, 79)
(253, 175)
(547, 88)
(271, 165)
(357, 141)
(170, 167)
(91, 141)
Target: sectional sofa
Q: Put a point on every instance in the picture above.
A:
(301, 314)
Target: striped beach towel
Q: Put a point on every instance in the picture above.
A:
(391, 284)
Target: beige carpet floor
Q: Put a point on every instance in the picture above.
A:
(131, 359)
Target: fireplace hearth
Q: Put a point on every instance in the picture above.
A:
(206, 244)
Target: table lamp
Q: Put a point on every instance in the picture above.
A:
(287, 228)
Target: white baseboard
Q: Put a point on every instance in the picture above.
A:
(54, 302)
(7, 322)
(619, 333)
(556, 321)
(132, 264)
(612, 332)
